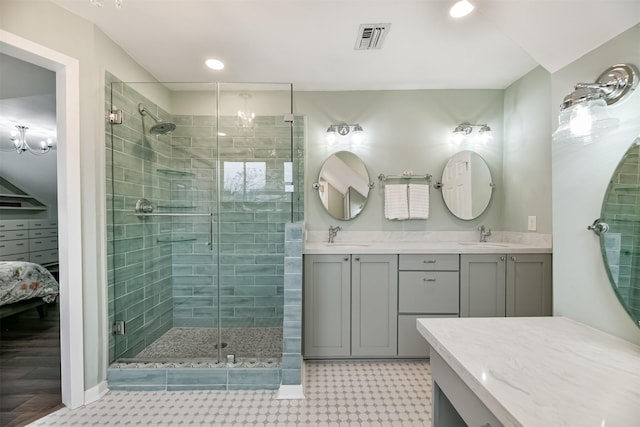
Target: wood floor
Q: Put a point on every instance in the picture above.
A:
(29, 366)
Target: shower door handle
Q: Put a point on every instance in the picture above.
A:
(211, 231)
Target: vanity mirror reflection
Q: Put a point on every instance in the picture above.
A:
(343, 185)
(619, 231)
(467, 185)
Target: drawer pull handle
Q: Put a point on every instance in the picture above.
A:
(429, 261)
(430, 279)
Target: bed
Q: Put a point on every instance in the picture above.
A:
(25, 285)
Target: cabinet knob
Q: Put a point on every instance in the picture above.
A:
(357, 258)
(429, 279)
(345, 258)
(502, 258)
(513, 258)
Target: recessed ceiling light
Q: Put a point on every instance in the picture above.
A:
(460, 9)
(214, 64)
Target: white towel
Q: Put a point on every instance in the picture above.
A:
(418, 201)
(396, 204)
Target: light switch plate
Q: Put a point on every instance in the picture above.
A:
(531, 223)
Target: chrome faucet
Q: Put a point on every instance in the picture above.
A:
(333, 231)
(484, 232)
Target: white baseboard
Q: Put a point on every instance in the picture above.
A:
(95, 393)
(290, 392)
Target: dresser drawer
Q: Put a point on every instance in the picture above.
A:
(13, 235)
(43, 223)
(43, 244)
(13, 247)
(43, 232)
(434, 292)
(14, 224)
(15, 257)
(449, 262)
(44, 257)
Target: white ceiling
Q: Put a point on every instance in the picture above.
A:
(310, 43)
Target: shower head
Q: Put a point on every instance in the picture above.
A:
(160, 128)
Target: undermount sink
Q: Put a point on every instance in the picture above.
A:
(346, 244)
(484, 244)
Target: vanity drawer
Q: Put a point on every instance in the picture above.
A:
(43, 232)
(435, 292)
(449, 262)
(43, 244)
(14, 224)
(13, 247)
(13, 235)
(410, 342)
(44, 257)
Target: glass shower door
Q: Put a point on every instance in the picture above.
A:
(256, 190)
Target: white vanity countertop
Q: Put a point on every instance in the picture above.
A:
(439, 242)
(542, 371)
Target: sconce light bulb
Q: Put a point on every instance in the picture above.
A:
(357, 138)
(458, 137)
(580, 121)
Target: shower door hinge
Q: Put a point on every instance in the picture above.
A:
(115, 117)
(118, 327)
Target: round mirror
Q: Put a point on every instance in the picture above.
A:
(466, 185)
(620, 244)
(343, 185)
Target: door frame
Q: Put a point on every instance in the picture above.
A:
(67, 71)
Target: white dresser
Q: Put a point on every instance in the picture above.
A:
(33, 240)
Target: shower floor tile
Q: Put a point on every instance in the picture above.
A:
(350, 393)
(200, 343)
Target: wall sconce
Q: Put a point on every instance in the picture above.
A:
(21, 145)
(464, 129)
(343, 130)
(583, 112)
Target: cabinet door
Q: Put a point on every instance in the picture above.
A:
(327, 305)
(529, 285)
(374, 305)
(482, 285)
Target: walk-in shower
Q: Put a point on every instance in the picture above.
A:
(197, 213)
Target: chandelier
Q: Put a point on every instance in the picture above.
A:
(100, 3)
(245, 117)
(21, 145)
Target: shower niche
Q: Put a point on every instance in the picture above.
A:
(201, 181)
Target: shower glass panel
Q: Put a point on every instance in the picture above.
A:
(256, 193)
(201, 179)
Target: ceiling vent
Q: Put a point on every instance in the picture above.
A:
(371, 36)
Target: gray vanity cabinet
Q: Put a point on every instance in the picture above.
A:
(350, 305)
(494, 285)
(528, 291)
(428, 286)
(374, 305)
(327, 305)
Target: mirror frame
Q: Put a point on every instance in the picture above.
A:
(449, 203)
(349, 187)
(624, 185)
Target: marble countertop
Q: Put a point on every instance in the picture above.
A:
(542, 371)
(442, 242)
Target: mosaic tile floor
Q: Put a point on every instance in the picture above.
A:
(200, 343)
(339, 393)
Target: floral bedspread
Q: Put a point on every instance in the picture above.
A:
(24, 280)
